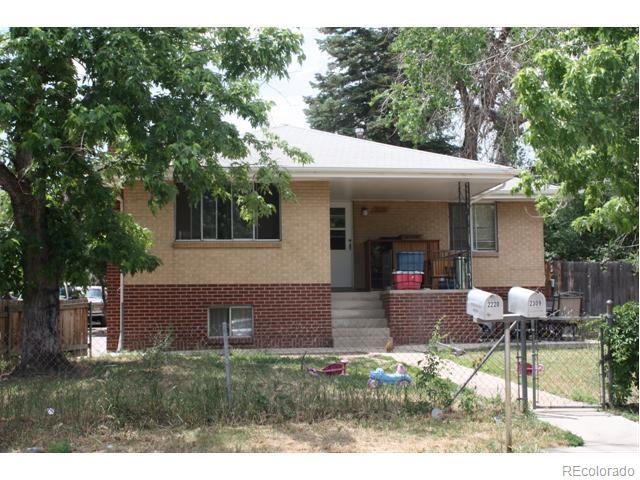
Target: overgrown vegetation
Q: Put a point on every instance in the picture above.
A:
(138, 395)
(622, 341)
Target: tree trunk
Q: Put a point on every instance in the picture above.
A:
(470, 143)
(471, 124)
(41, 350)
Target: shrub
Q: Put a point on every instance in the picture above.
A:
(622, 338)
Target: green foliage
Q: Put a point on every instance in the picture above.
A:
(87, 111)
(62, 446)
(453, 76)
(438, 391)
(572, 439)
(362, 66)
(622, 339)
(581, 102)
(562, 242)
(11, 278)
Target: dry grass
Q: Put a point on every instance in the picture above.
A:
(174, 403)
(415, 435)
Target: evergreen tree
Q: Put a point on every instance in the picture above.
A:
(362, 67)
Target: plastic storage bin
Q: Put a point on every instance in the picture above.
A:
(410, 261)
(411, 280)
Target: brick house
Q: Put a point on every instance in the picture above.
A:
(318, 272)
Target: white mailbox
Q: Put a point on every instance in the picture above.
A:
(527, 303)
(484, 306)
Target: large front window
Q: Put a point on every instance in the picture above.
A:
(219, 219)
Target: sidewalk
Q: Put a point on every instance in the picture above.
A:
(601, 431)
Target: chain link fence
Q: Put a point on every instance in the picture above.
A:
(381, 364)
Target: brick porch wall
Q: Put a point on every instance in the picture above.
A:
(284, 315)
(413, 314)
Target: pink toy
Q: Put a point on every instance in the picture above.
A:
(539, 368)
(338, 368)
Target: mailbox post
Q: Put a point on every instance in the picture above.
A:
(525, 304)
(488, 307)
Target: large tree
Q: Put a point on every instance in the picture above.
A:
(362, 66)
(462, 78)
(581, 103)
(84, 111)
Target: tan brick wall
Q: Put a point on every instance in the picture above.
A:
(520, 259)
(520, 256)
(302, 256)
(387, 219)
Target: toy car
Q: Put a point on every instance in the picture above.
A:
(379, 377)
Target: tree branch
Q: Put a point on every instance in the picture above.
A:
(9, 182)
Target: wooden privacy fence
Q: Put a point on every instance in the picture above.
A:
(72, 326)
(598, 282)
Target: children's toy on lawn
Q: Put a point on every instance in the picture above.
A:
(539, 368)
(338, 368)
(379, 377)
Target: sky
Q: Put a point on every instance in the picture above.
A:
(288, 94)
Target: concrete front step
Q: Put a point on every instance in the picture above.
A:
(361, 323)
(358, 313)
(367, 344)
(357, 332)
(340, 304)
(355, 296)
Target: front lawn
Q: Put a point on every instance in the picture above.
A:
(568, 372)
(171, 402)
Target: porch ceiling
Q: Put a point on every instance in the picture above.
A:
(385, 188)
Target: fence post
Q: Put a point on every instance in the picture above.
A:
(90, 330)
(227, 361)
(523, 364)
(603, 397)
(609, 358)
(507, 384)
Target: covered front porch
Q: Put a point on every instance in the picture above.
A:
(373, 221)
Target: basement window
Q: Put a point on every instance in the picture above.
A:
(238, 317)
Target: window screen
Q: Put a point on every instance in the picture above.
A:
(484, 226)
(187, 217)
(458, 227)
(268, 228)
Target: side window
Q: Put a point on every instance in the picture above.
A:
(484, 227)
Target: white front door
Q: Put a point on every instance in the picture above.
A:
(341, 234)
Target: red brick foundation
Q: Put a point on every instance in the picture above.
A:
(284, 316)
(412, 315)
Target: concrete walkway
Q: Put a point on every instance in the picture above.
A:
(601, 431)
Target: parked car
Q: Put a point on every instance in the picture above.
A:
(94, 296)
(68, 292)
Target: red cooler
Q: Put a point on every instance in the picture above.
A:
(407, 280)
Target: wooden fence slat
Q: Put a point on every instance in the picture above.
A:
(72, 326)
(598, 282)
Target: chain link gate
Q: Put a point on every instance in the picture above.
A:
(565, 368)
